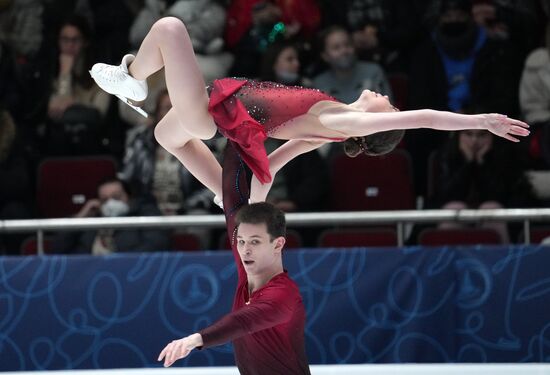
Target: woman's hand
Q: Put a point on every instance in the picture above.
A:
(503, 126)
(179, 349)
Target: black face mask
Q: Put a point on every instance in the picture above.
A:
(453, 29)
(457, 39)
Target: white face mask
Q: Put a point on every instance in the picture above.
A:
(114, 208)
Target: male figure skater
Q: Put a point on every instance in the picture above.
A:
(267, 320)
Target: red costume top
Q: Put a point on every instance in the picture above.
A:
(266, 327)
(246, 112)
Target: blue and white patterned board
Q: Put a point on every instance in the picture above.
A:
(484, 304)
(378, 369)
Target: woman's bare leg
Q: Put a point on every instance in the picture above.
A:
(190, 151)
(168, 45)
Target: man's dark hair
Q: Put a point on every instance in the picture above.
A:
(325, 33)
(258, 213)
(109, 180)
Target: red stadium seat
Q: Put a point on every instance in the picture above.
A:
(30, 246)
(461, 236)
(367, 183)
(538, 234)
(358, 237)
(400, 87)
(64, 184)
(186, 242)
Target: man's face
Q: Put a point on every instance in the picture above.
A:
(112, 190)
(259, 253)
(339, 52)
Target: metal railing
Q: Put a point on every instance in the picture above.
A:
(398, 218)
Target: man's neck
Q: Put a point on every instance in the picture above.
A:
(257, 281)
(343, 74)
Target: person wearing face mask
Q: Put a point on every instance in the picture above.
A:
(113, 200)
(302, 185)
(346, 77)
(281, 64)
(247, 112)
(458, 69)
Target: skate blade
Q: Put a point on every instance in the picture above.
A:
(133, 105)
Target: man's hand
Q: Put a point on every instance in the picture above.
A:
(90, 208)
(179, 349)
(503, 126)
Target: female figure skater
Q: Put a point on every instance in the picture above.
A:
(247, 112)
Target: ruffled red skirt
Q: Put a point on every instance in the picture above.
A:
(236, 124)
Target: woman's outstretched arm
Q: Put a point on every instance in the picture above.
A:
(278, 159)
(357, 123)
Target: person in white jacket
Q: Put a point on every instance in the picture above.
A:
(534, 93)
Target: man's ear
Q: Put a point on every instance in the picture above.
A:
(324, 57)
(279, 244)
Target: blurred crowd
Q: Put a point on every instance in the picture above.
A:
(468, 56)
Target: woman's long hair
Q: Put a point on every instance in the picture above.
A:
(373, 145)
(80, 73)
(267, 71)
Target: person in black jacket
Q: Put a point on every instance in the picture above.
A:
(459, 69)
(474, 171)
(15, 181)
(113, 200)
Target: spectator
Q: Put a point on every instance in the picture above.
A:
(113, 200)
(303, 184)
(154, 173)
(76, 105)
(205, 22)
(10, 94)
(21, 69)
(474, 171)
(534, 94)
(458, 69)
(252, 25)
(281, 64)
(517, 22)
(346, 78)
(385, 32)
(21, 26)
(110, 22)
(15, 182)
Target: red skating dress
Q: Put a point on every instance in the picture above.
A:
(247, 112)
